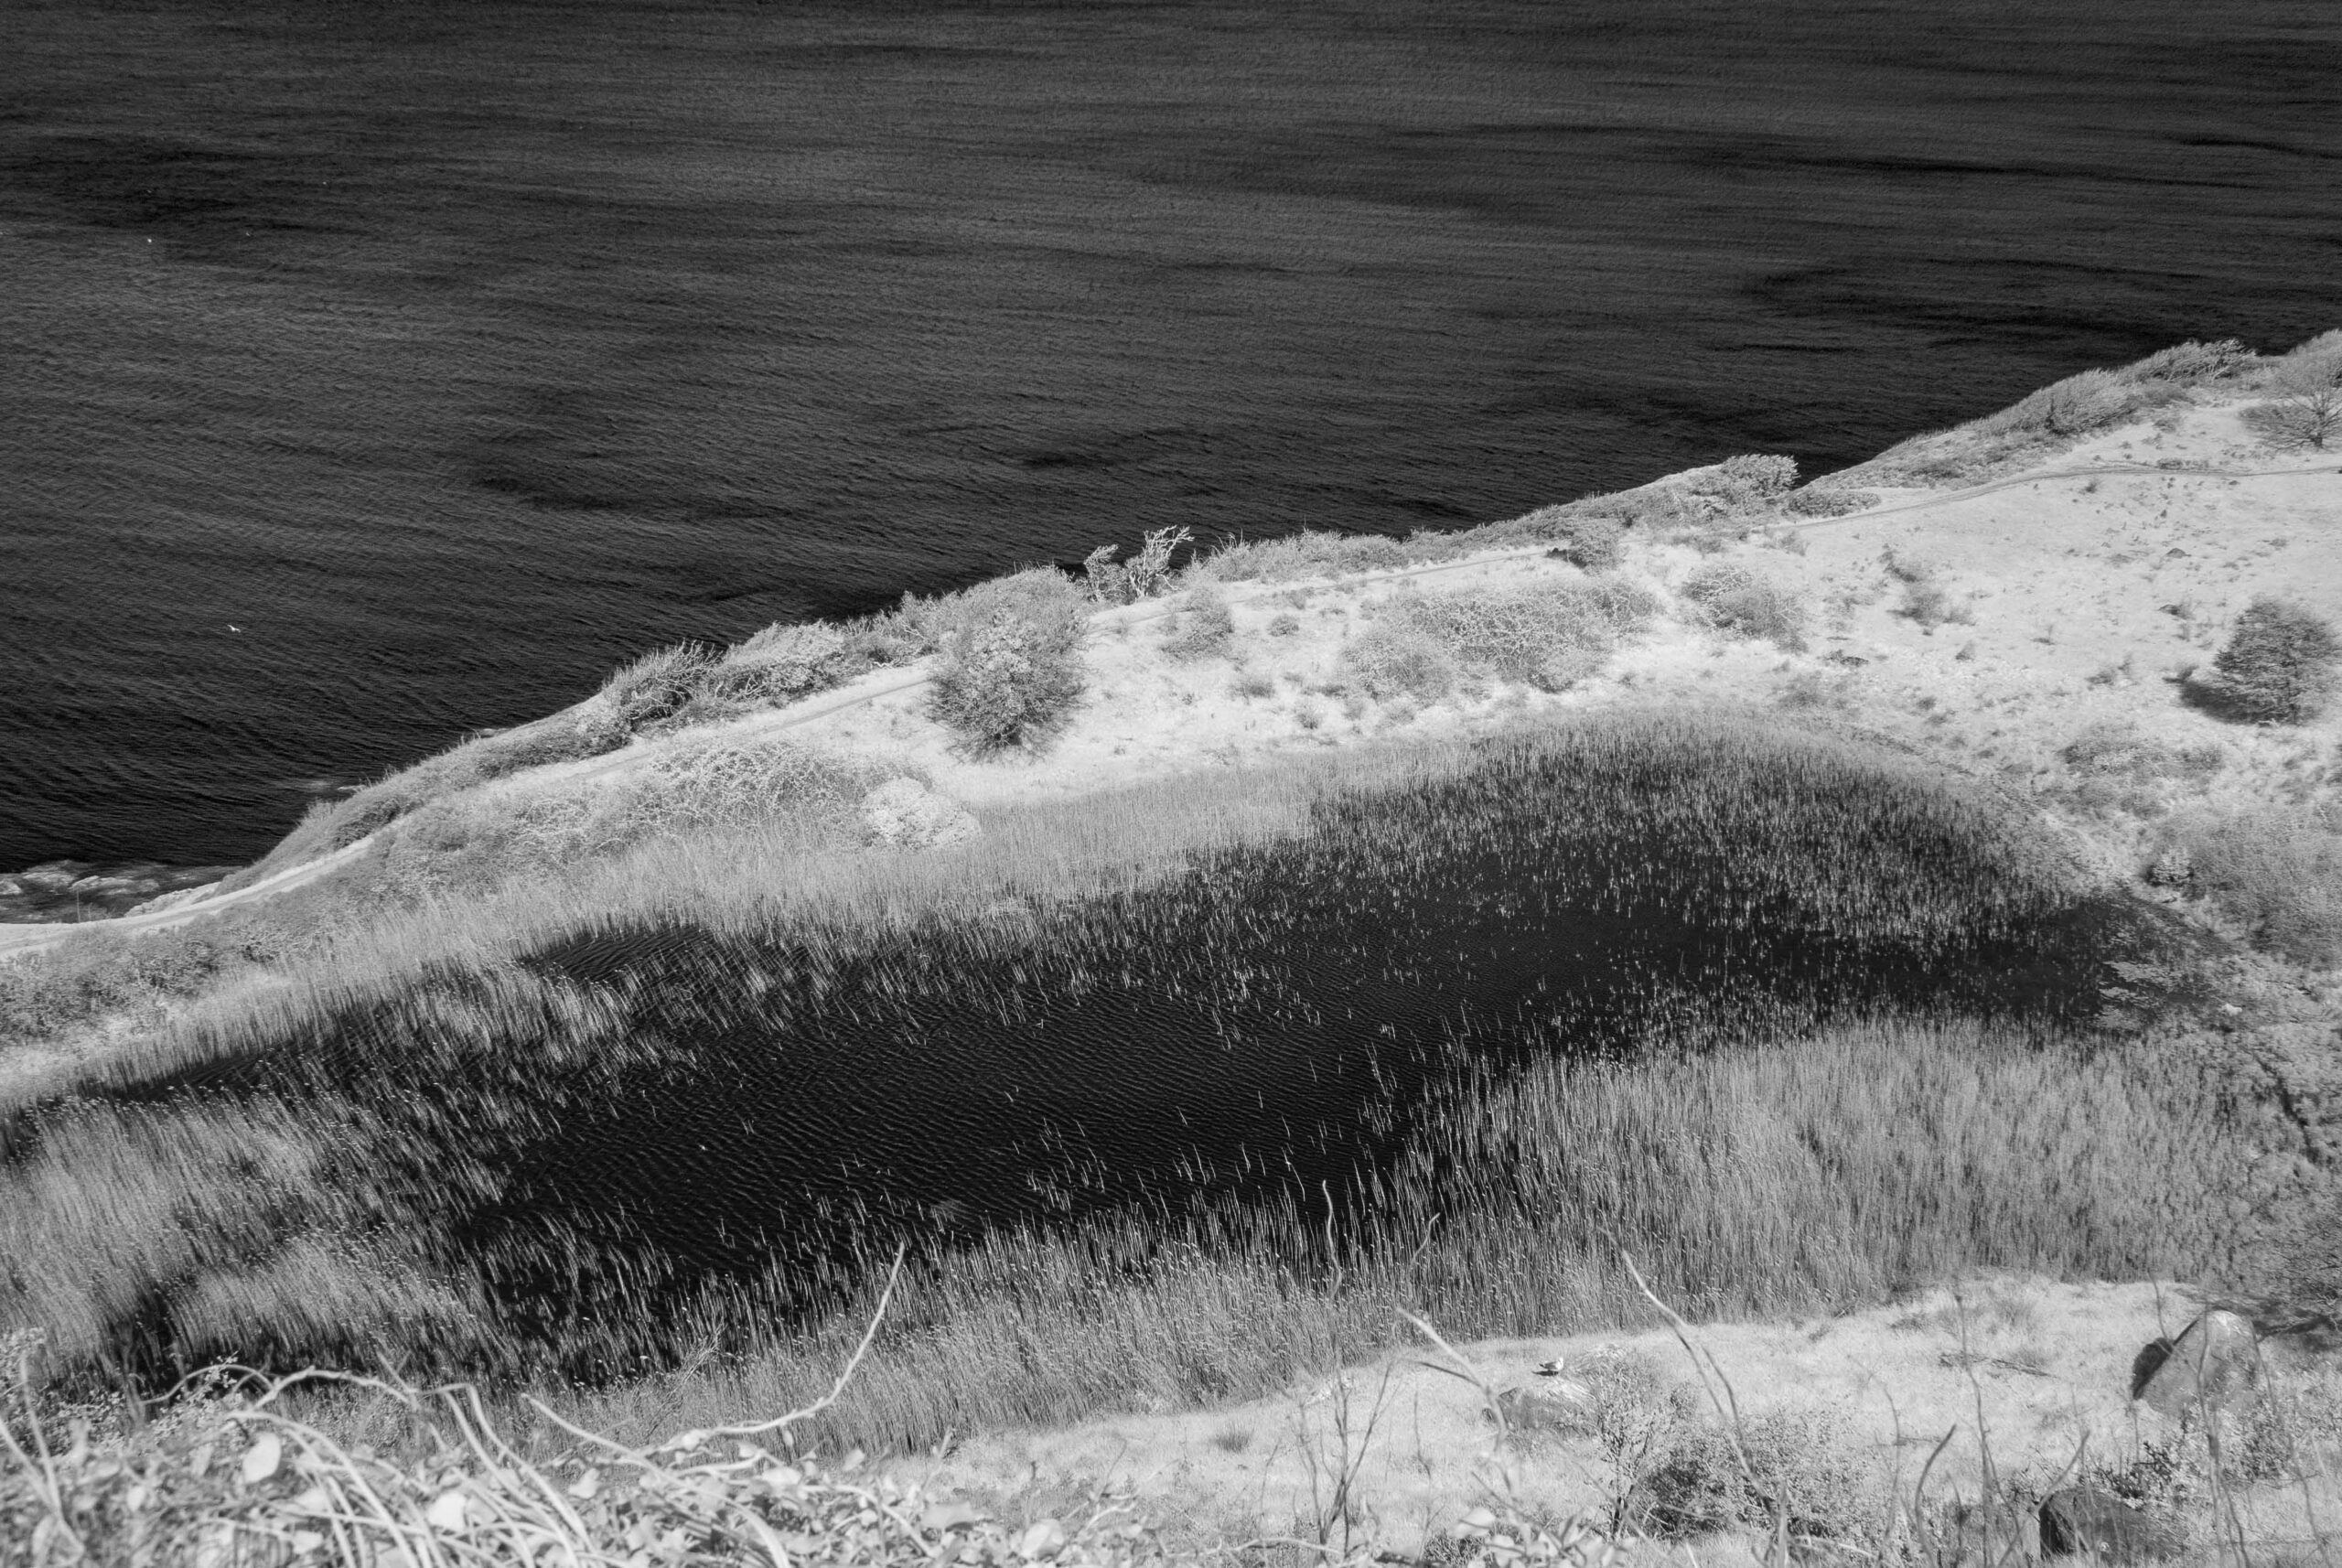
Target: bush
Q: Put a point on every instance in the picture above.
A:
(1810, 502)
(782, 663)
(1733, 599)
(2077, 405)
(1395, 660)
(2278, 667)
(1802, 1468)
(1316, 552)
(1587, 537)
(2307, 409)
(1755, 478)
(1205, 627)
(2190, 363)
(1010, 666)
(658, 684)
(1593, 543)
(2277, 872)
(1144, 575)
(1549, 636)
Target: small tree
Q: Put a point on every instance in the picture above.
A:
(2277, 667)
(2307, 409)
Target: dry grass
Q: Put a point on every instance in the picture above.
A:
(1759, 1182)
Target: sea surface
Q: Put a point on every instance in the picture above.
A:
(372, 374)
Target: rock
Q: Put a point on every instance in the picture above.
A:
(2084, 1519)
(41, 880)
(1550, 1404)
(903, 814)
(103, 886)
(2214, 1366)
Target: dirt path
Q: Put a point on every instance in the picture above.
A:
(34, 938)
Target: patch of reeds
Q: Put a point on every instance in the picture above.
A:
(1840, 1170)
(605, 1143)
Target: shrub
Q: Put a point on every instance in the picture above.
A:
(562, 738)
(1755, 478)
(1733, 599)
(2116, 747)
(712, 786)
(2076, 407)
(1802, 1468)
(2278, 667)
(782, 663)
(658, 684)
(1810, 502)
(1316, 552)
(1205, 627)
(1583, 533)
(2190, 363)
(1015, 673)
(1549, 636)
(101, 973)
(2307, 409)
(1925, 598)
(1391, 659)
(2277, 872)
(1639, 1416)
(1592, 543)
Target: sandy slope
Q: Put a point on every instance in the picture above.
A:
(2087, 586)
(2041, 1368)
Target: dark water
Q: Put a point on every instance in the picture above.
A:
(378, 372)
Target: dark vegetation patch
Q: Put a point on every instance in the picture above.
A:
(646, 1139)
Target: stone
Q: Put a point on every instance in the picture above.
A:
(903, 814)
(103, 886)
(1552, 1403)
(2213, 1367)
(2084, 1520)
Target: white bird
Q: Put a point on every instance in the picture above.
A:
(1552, 1368)
(234, 626)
